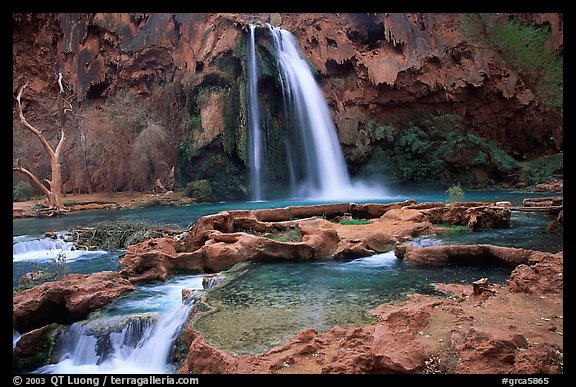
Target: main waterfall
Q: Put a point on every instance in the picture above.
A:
(317, 167)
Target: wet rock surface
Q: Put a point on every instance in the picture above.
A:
(67, 300)
(217, 242)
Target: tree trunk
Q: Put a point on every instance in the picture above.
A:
(55, 200)
(54, 190)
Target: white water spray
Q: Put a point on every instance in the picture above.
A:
(137, 344)
(324, 175)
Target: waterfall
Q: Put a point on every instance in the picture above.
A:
(137, 343)
(325, 167)
(255, 132)
(25, 247)
(316, 165)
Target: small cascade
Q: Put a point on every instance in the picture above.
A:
(255, 131)
(139, 343)
(26, 247)
(15, 337)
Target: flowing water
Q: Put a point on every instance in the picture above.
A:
(255, 132)
(317, 168)
(133, 334)
(262, 306)
(271, 302)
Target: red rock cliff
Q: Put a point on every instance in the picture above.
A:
(384, 68)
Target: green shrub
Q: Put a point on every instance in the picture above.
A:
(113, 236)
(454, 228)
(291, 235)
(543, 169)
(54, 270)
(200, 190)
(524, 47)
(352, 221)
(455, 193)
(23, 191)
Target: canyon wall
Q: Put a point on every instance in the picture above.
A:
(413, 96)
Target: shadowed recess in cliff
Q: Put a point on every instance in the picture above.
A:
(315, 162)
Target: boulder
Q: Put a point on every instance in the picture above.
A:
(196, 235)
(542, 274)
(464, 254)
(65, 301)
(486, 350)
(543, 202)
(223, 251)
(472, 214)
(34, 349)
(204, 358)
(371, 210)
(148, 260)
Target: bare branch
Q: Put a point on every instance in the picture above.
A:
(68, 109)
(34, 179)
(60, 145)
(60, 82)
(36, 132)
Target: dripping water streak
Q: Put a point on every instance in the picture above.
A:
(255, 132)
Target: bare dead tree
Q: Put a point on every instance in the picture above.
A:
(53, 189)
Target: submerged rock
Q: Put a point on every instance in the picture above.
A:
(458, 333)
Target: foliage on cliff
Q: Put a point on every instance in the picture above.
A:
(525, 47)
(434, 149)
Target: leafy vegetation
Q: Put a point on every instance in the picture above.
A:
(54, 270)
(524, 47)
(292, 234)
(353, 221)
(454, 228)
(23, 191)
(435, 149)
(116, 235)
(543, 169)
(200, 190)
(455, 193)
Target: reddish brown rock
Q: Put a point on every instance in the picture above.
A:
(324, 210)
(472, 214)
(553, 186)
(34, 348)
(155, 259)
(371, 210)
(539, 358)
(273, 214)
(148, 260)
(486, 350)
(67, 300)
(542, 274)
(196, 235)
(320, 235)
(206, 359)
(465, 254)
(222, 251)
(543, 202)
